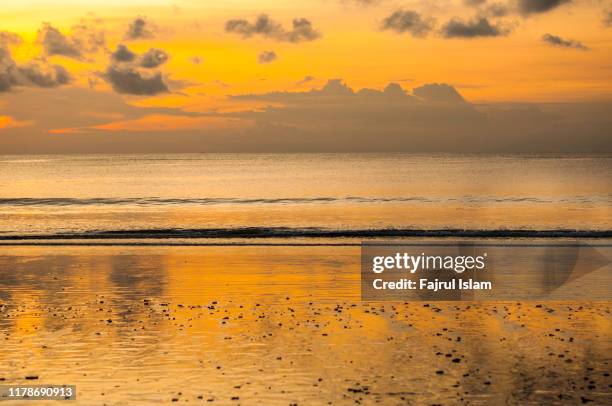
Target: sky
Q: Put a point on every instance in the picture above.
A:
(319, 75)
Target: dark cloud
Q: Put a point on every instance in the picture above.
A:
(335, 117)
(438, 92)
(477, 27)
(336, 87)
(435, 117)
(153, 58)
(32, 74)
(330, 119)
(45, 76)
(302, 29)
(335, 90)
(56, 43)
(129, 73)
(132, 81)
(332, 89)
(557, 41)
(263, 26)
(266, 57)
(9, 38)
(8, 71)
(139, 28)
(85, 37)
(394, 89)
(408, 21)
(123, 54)
(539, 6)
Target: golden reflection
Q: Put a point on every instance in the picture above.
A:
(273, 325)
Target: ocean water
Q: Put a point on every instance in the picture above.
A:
(297, 195)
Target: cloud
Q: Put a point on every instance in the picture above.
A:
(336, 117)
(302, 29)
(433, 117)
(91, 129)
(8, 71)
(337, 94)
(332, 118)
(139, 28)
(32, 74)
(123, 54)
(266, 57)
(263, 25)
(84, 37)
(132, 81)
(45, 76)
(438, 92)
(307, 79)
(557, 41)
(153, 58)
(539, 6)
(408, 21)
(130, 73)
(477, 27)
(9, 38)
(56, 43)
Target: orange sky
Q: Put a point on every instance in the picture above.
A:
(497, 54)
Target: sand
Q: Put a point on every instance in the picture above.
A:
(280, 325)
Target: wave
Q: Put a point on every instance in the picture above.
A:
(288, 233)
(157, 201)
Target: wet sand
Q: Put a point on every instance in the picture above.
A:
(279, 325)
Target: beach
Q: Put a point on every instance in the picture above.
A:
(279, 325)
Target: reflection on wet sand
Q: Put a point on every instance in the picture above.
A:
(279, 325)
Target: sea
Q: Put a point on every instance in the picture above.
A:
(201, 197)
